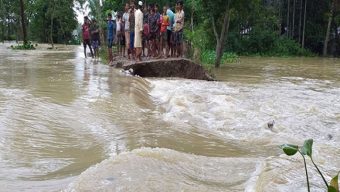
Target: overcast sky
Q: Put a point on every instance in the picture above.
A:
(81, 14)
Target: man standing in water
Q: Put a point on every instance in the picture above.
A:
(111, 28)
(86, 35)
(139, 31)
(95, 38)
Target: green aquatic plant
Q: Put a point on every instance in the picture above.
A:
(306, 150)
(27, 46)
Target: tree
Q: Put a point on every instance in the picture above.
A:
(23, 22)
(288, 14)
(53, 21)
(217, 10)
(2, 19)
(300, 20)
(52, 12)
(293, 27)
(330, 18)
(304, 25)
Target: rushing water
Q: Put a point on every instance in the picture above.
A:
(72, 124)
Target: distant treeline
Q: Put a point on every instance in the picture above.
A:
(245, 27)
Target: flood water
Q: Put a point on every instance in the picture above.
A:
(72, 124)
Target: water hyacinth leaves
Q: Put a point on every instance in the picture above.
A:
(307, 148)
(334, 184)
(289, 149)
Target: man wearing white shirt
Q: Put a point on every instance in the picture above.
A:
(138, 31)
(126, 22)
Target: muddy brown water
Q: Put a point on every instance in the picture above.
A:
(73, 124)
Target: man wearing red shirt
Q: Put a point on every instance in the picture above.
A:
(86, 35)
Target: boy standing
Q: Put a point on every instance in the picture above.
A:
(120, 34)
(178, 29)
(86, 35)
(111, 28)
(154, 30)
(95, 38)
(164, 35)
(145, 30)
(159, 23)
(132, 29)
(171, 16)
(126, 22)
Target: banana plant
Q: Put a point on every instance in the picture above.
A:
(306, 150)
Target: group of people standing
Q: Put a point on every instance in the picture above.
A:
(143, 31)
(91, 37)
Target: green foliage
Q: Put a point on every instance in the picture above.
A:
(28, 46)
(265, 43)
(306, 150)
(229, 57)
(199, 39)
(289, 149)
(334, 184)
(208, 57)
(103, 54)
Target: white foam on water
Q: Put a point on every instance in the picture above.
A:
(301, 109)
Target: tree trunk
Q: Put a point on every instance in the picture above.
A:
(304, 25)
(300, 21)
(23, 24)
(288, 13)
(3, 17)
(330, 18)
(101, 31)
(220, 38)
(8, 28)
(293, 27)
(52, 22)
(192, 17)
(219, 54)
(192, 20)
(336, 46)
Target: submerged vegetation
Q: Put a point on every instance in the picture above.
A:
(306, 150)
(27, 46)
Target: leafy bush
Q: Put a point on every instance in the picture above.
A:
(229, 57)
(288, 47)
(209, 57)
(198, 39)
(264, 43)
(28, 46)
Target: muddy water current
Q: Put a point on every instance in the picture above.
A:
(73, 124)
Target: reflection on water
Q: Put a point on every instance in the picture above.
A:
(61, 114)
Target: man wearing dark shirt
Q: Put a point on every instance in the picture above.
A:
(132, 29)
(95, 38)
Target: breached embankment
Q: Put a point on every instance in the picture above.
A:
(171, 67)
